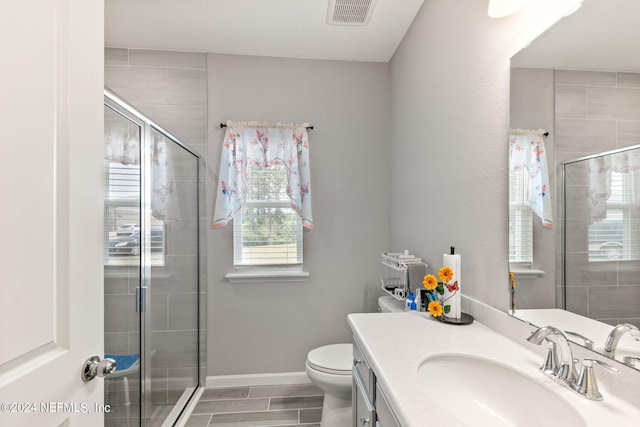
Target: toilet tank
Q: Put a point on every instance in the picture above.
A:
(388, 304)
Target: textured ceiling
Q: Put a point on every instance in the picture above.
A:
(283, 28)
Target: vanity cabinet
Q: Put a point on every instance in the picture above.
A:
(384, 414)
(363, 390)
(370, 406)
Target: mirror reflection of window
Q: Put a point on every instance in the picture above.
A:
(122, 218)
(615, 236)
(520, 220)
(122, 199)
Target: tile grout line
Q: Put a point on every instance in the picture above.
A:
(270, 408)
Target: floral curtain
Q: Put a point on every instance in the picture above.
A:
(599, 187)
(161, 185)
(123, 146)
(122, 143)
(262, 145)
(526, 150)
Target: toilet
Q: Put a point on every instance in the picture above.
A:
(329, 367)
(388, 304)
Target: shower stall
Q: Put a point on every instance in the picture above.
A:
(600, 251)
(153, 270)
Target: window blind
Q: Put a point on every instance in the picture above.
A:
(520, 219)
(617, 236)
(123, 182)
(267, 231)
(122, 242)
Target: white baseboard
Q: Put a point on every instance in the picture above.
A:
(257, 379)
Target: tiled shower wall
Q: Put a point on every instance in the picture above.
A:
(170, 88)
(595, 111)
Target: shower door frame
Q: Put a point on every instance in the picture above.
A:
(563, 242)
(120, 106)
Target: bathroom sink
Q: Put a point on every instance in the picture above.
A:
(480, 392)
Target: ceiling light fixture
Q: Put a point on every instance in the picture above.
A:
(502, 8)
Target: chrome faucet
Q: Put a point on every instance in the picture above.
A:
(588, 343)
(563, 369)
(614, 337)
(586, 385)
(632, 361)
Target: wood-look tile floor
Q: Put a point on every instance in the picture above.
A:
(266, 406)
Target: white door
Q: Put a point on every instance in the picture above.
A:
(51, 132)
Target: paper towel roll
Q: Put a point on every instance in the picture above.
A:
(453, 298)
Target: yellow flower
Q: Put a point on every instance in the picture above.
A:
(435, 308)
(512, 278)
(430, 282)
(445, 274)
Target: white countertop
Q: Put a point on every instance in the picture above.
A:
(395, 344)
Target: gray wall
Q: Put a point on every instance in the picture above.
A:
(532, 107)
(450, 121)
(596, 112)
(270, 327)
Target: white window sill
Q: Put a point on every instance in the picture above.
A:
(527, 273)
(266, 277)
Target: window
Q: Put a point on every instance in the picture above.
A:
(616, 236)
(520, 219)
(267, 231)
(264, 186)
(122, 240)
(528, 193)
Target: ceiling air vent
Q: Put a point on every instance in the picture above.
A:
(349, 12)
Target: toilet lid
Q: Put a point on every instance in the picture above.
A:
(333, 359)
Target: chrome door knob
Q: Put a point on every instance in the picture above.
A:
(93, 367)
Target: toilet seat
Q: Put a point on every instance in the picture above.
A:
(335, 359)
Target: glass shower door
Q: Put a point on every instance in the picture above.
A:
(171, 323)
(122, 261)
(152, 270)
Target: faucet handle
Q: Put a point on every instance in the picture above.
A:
(587, 342)
(631, 361)
(586, 384)
(550, 365)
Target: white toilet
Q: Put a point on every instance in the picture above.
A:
(329, 367)
(388, 304)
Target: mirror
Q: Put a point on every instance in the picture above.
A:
(580, 81)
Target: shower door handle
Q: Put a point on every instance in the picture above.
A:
(141, 299)
(94, 367)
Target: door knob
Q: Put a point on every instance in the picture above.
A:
(93, 367)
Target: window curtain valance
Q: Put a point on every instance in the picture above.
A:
(600, 169)
(261, 145)
(526, 150)
(122, 146)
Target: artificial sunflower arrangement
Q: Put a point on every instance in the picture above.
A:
(435, 291)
